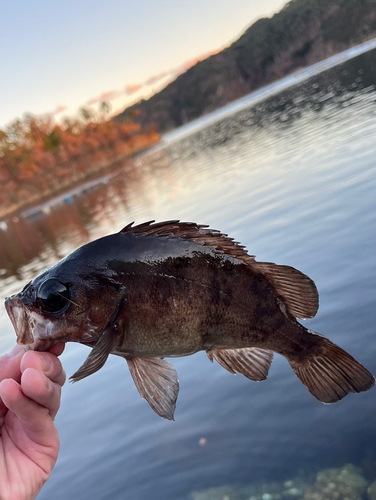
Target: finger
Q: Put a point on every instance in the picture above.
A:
(57, 349)
(10, 368)
(39, 388)
(35, 419)
(46, 363)
(10, 363)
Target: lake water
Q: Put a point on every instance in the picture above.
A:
(292, 177)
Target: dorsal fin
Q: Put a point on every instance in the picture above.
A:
(298, 291)
(192, 231)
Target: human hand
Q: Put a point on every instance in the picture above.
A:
(30, 389)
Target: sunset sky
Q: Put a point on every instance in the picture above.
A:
(59, 56)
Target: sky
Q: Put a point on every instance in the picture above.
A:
(56, 57)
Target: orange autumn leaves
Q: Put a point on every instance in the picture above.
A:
(44, 156)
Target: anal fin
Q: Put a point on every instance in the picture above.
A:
(252, 362)
(157, 382)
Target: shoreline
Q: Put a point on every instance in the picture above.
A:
(92, 177)
(97, 175)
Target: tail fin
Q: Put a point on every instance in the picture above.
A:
(330, 373)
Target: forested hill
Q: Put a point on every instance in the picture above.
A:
(302, 33)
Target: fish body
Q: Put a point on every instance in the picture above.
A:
(172, 289)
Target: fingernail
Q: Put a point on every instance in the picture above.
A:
(16, 350)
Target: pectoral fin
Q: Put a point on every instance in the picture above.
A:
(252, 362)
(157, 382)
(98, 355)
(109, 339)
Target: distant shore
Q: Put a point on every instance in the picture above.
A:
(28, 199)
(301, 34)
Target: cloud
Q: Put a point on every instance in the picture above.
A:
(59, 109)
(156, 78)
(109, 96)
(90, 102)
(104, 97)
(191, 62)
(133, 87)
(56, 111)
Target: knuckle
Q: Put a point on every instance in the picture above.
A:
(51, 394)
(31, 359)
(46, 363)
(50, 364)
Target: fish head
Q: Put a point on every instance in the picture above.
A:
(51, 309)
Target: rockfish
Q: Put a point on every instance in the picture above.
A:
(174, 288)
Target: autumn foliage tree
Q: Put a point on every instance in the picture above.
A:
(38, 154)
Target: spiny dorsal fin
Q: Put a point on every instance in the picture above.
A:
(192, 231)
(157, 382)
(297, 290)
(252, 362)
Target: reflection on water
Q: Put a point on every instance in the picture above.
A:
(293, 178)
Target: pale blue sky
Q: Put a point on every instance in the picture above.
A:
(66, 53)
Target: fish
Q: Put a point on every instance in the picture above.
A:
(169, 289)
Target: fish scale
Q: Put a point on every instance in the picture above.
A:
(171, 289)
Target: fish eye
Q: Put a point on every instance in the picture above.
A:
(53, 296)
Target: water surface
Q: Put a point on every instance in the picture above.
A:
(292, 177)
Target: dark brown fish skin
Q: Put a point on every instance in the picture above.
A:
(198, 304)
(172, 289)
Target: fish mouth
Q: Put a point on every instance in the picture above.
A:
(30, 328)
(20, 320)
